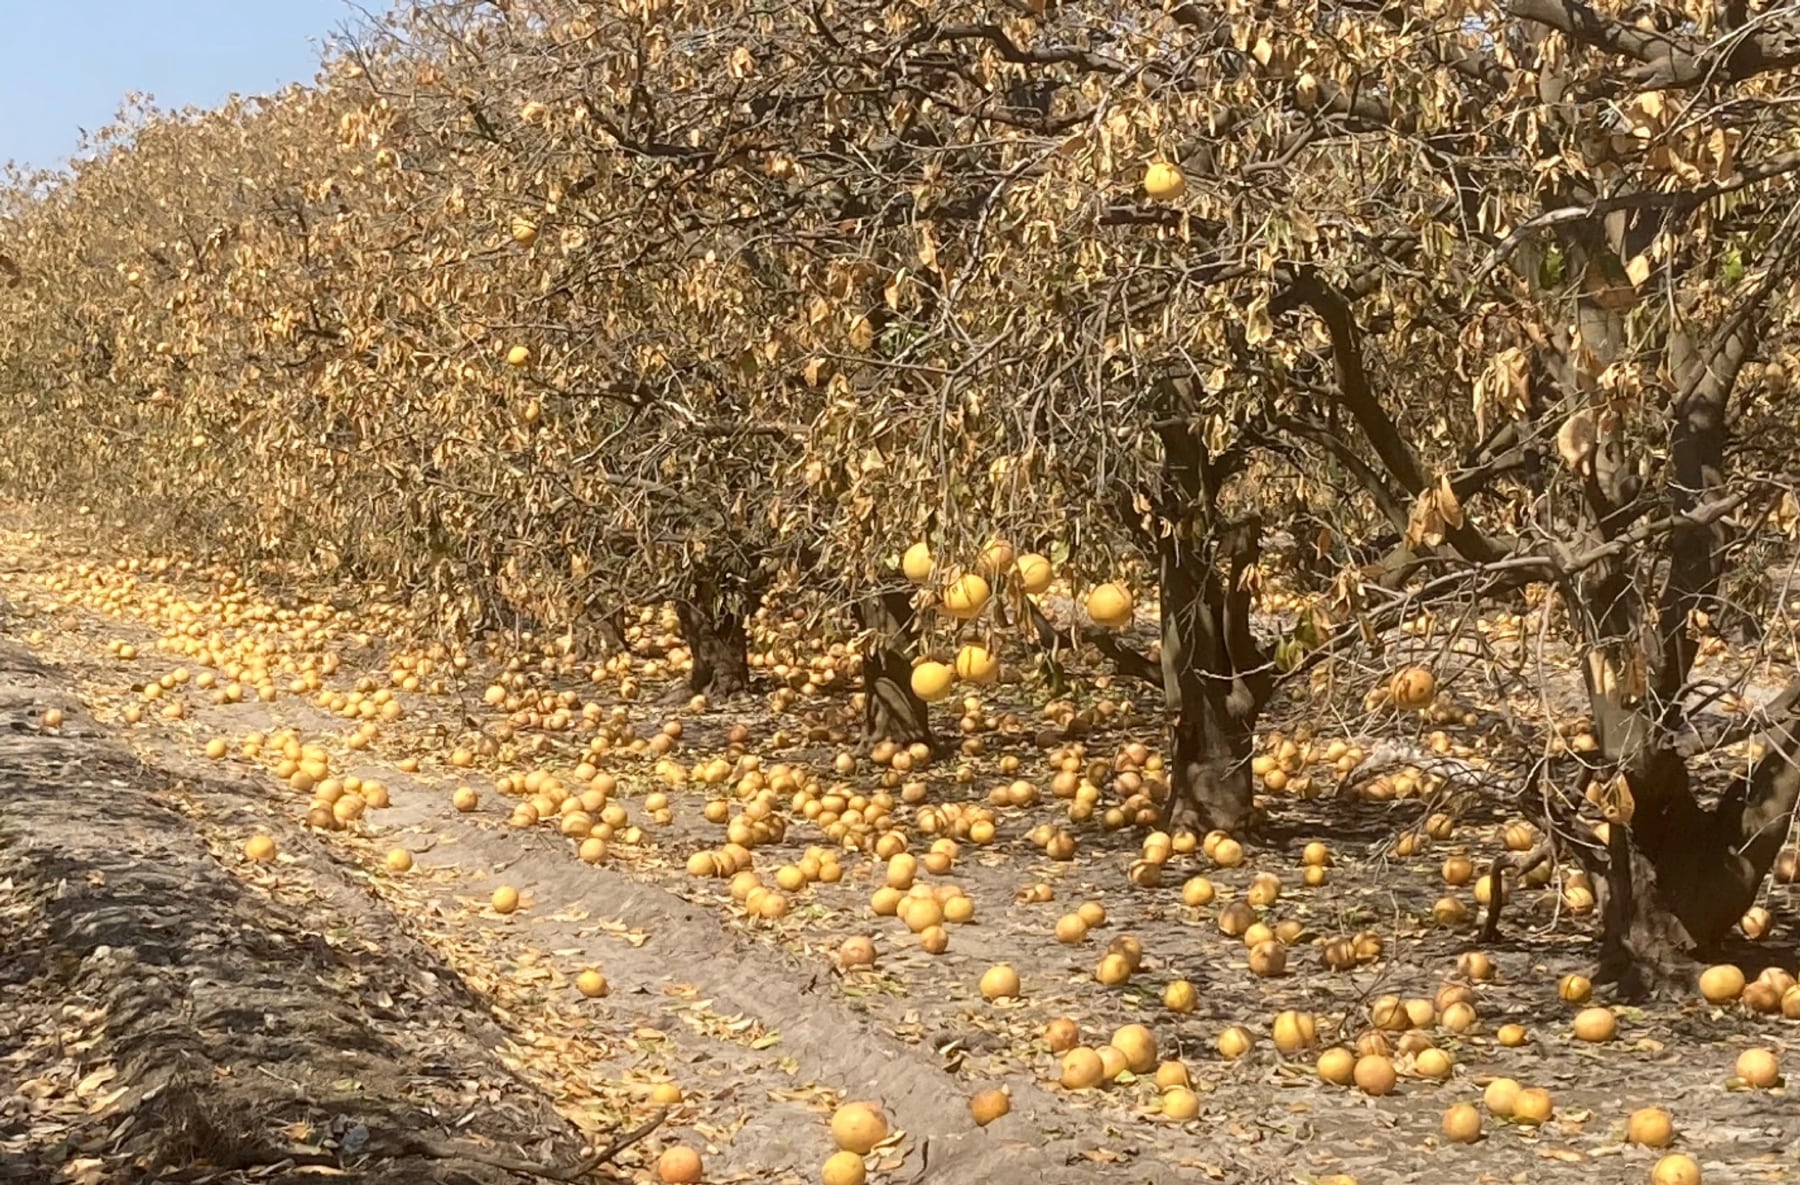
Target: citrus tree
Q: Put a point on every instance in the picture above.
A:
(1492, 273)
(553, 307)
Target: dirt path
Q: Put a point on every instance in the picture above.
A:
(752, 1021)
(164, 1015)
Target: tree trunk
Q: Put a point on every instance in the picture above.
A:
(713, 624)
(891, 711)
(600, 633)
(610, 627)
(1215, 678)
(719, 647)
(1678, 875)
(1211, 771)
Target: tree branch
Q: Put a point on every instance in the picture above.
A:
(1125, 660)
(1668, 61)
(1382, 433)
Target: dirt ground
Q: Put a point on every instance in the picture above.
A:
(172, 1011)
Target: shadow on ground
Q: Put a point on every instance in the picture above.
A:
(160, 1019)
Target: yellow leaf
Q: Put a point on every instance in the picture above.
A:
(1616, 803)
(1448, 504)
(1258, 328)
(862, 334)
(1575, 439)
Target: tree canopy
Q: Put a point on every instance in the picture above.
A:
(554, 307)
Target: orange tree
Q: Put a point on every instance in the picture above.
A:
(661, 298)
(653, 449)
(1498, 271)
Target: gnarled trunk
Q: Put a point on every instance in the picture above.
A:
(1210, 774)
(1678, 875)
(719, 645)
(891, 711)
(714, 626)
(1215, 678)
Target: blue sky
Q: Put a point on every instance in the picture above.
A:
(68, 63)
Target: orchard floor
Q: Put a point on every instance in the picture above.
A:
(170, 1011)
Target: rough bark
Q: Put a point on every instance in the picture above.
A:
(719, 644)
(610, 628)
(891, 711)
(714, 622)
(1215, 678)
(1213, 745)
(1678, 876)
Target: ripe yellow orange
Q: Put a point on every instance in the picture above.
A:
(843, 1168)
(1374, 1075)
(1651, 1127)
(592, 984)
(1164, 182)
(1035, 572)
(1337, 1066)
(967, 596)
(1675, 1169)
(1533, 1106)
(399, 860)
(1595, 1024)
(1462, 1124)
(1294, 1031)
(505, 899)
(1138, 1044)
(1501, 1095)
(975, 665)
(1235, 1042)
(1758, 1068)
(1000, 982)
(1413, 688)
(1433, 1063)
(1722, 983)
(1180, 1104)
(858, 1127)
(1475, 965)
(1110, 605)
(1180, 996)
(1268, 959)
(518, 356)
(988, 1105)
(995, 558)
(916, 563)
(260, 848)
(1113, 969)
(679, 1165)
(932, 681)
(1081, 1069)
